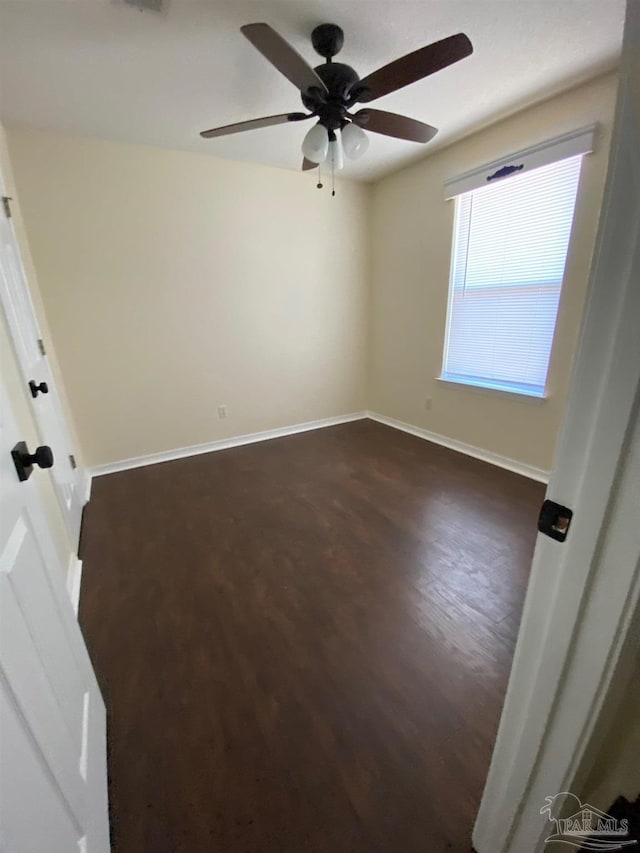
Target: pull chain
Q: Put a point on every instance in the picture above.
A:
(333, 177)
(319, 184)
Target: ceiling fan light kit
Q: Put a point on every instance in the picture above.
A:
(336, 153)
(354, 141)
(330, 90)
(315, 145)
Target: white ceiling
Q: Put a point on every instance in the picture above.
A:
(101, 68)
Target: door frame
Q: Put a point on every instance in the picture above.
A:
(579, 613)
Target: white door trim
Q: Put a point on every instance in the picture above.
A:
(74, 580)
(566, 657)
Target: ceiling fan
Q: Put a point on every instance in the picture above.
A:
(330, 91)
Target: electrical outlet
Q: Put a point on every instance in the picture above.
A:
(427, 403)
(222, 412)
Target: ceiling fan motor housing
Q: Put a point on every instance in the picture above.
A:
(327, 40)
(331, 107)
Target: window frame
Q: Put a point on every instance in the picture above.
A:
(569, 145)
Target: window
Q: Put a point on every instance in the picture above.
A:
(509, 252)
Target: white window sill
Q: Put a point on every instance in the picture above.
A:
(493, 389)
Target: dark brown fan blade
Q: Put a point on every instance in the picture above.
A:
(392, 124)
(412, 67)
(285, 58)
(253, 124)
(307, 165)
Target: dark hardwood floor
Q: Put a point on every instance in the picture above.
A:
(304, 644)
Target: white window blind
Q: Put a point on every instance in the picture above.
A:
(509, 252)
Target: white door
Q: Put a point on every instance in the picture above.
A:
(53, 783)
(47, 409)
(581, 602)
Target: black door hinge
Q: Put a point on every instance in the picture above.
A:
(6, 203)
(554, 520)
(72, 461)
(41, 347)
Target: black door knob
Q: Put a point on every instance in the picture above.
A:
(42, 388)
(24, 461)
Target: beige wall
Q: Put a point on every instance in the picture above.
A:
(176, 282)
(12, 377)
(411, 245)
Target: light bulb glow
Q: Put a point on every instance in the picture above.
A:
(315, 145)
(355, 141)
(336, 156)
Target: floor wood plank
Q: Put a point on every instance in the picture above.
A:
(304, 644)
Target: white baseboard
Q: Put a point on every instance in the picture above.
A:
(74, 579)
(222, 444)
(236, 441)
(530, 471)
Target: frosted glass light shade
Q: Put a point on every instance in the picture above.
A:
(336, 156)
(316, 144)
(354, 141)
